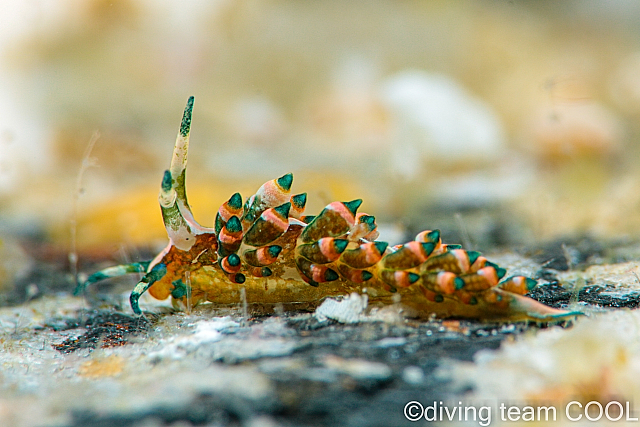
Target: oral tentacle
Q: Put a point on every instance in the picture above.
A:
(115, 271)
(157, 273)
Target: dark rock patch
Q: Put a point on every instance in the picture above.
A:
(104, 329)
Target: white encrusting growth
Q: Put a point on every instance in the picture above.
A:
(349, 310)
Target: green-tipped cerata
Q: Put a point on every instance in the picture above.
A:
(428, 248)
(235, 202)
(353, 205)
(274, 250)
(473, 256)
(340, 245)
(285, 181)
(299, 200)
(381, 246)
(283, 209)
(234, 225)
(330, 275)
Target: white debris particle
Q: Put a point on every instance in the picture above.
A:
(235, 350)
(206, 331)
(349, 310)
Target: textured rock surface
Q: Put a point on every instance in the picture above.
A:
(66, 365)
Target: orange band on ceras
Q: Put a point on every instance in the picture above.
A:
(430, 236)
(518, 284)
(335, 220)
(496, 298)
(409, 255)
(366, 255)
(431, 295)
(298, 203)
(323, 251)
(271, 224)
(262, 256)
(230, 236)
(231, 264)
(484, 278)
(456, 261)
(232, 207)
(270, 194)
(260, 271)
(275, 192)
(364, 228)
(466, 297)
(399, 278)
(353, 274)
(441, 282)
(479, 263)
(315, 273)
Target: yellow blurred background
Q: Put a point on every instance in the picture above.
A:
(525, 108)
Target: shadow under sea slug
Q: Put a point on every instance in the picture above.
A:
(267, 246)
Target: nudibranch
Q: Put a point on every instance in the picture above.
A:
(278, 255)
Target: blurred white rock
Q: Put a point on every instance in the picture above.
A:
(434, 119)
(257, 121)
(597, 357)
